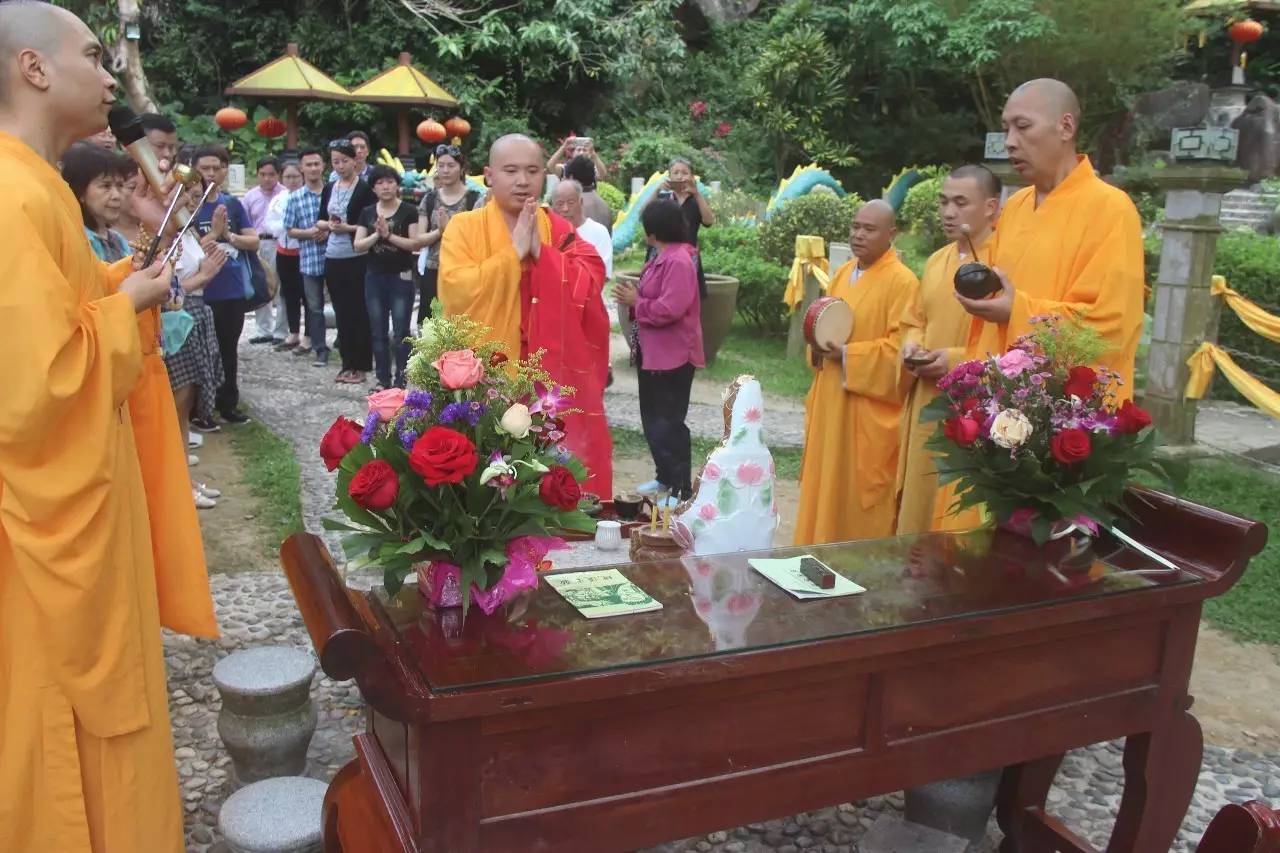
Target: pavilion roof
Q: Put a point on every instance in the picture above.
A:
(403, 83)
(289, 76)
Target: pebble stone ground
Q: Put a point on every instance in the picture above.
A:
(256, 607)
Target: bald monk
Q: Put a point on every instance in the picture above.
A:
(936, 326)
(855, 403)
(1068, 244)
(86, 755)
(524, 272)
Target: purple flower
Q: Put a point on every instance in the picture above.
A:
(418, 400)
(453, 412)
(408, 437)
(561, 453)
(370, 427)
(548, 400)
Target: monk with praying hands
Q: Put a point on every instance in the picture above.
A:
(88, 436)
(524, 272)
(854, 406)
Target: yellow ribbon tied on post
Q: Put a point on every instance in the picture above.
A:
(1251, 314)
(811, 259)
(1202, 364)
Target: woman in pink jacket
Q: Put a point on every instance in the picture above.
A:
(666, 345)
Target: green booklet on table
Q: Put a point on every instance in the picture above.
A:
(604, 592)
(787, 574)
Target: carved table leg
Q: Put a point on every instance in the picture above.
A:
(1024, 786)
(1160, 772)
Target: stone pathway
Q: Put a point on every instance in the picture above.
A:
(256, 607)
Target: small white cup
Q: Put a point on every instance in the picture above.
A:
(608, 535)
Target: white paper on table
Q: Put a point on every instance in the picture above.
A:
(786, 574)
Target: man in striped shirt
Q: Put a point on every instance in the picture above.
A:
(300, 217)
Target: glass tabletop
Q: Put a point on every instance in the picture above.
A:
(719, 605)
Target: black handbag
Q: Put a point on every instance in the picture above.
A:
(258, 278)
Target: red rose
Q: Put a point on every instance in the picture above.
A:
(343, 435)
(443, 455)
(559, 489)
(497, 358)
(1131, 418)
(969, 405)
(1070, 446)
(963, 431)
(375, 486)
(1080, 383)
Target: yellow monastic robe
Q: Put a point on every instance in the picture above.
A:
(935, 321)
(86, 754)
(852, 412)
(1079, 252)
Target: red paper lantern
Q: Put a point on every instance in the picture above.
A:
(271, 127)
(431, 131)
(1245, 32)
(458, 126)
(230, 118)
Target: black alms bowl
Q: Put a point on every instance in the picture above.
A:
(975, 281)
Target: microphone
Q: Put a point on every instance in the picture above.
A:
(127, 127)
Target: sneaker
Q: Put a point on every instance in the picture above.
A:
(194, 440)
(234, 417)
(192, 461)
(208, 491)
(651, 487)
(202, 502)
(205, 425)
(322, 360)
(262, 339)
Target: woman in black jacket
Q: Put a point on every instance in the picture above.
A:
(344, 267)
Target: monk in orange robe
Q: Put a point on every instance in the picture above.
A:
(86, 753)
(1068, 244)
(936, 326)
(523, 271)
(854, 406)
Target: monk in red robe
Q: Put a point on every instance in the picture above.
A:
(524, 272)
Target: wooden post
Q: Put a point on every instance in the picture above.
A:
(402, 128)
(291, 121)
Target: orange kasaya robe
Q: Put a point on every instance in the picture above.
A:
(852, 412)
(1076, 253)
(86, 753)
(551, 304)
(935, 321)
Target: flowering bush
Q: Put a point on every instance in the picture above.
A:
(459, 467)
(1036, 433)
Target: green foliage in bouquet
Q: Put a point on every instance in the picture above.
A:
(1037, 432)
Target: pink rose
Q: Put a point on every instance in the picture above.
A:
(708, 512)
(384, 404)
(750, 474)
(459, 369)
(711, 472)
(1014, 362)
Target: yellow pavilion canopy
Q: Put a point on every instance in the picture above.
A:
(403, 84)
(290, 76)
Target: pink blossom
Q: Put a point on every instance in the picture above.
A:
(698, 109)
(711, 472)
(708, 512)
(750, 474)
(1014, 362)
(549, 400)
(722, 130)
(741, 602)
(753, 415)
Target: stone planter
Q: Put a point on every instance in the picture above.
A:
(267, 718)
(717, 310)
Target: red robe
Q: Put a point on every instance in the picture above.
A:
(553, 304)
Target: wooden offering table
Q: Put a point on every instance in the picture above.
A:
(736, 703)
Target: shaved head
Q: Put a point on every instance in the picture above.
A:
(566, 200)
(874, 227)
(515, 173)
(53, 88)
(1042, 122)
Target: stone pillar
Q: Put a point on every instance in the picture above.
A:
(637, 184)
(267, 718)
(1185, 314)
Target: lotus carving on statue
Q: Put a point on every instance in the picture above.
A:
(1037, 436)
(462, 478)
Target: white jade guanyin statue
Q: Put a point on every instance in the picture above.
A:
(733, 506)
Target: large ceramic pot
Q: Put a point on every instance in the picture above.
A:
(717, 310)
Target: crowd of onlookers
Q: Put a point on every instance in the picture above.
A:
(327, 226)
